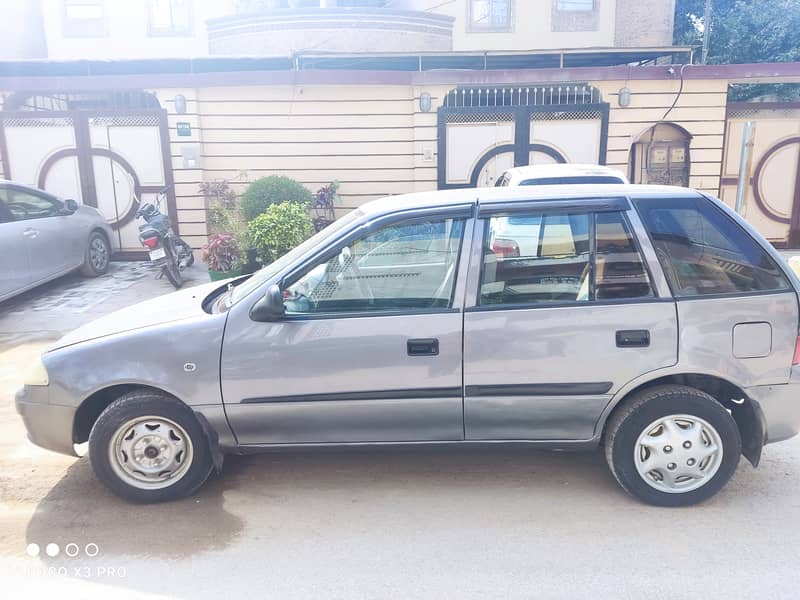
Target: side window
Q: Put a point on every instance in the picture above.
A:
(548, 258)
(24, 206)
(703, 252)
(536, 258)
(405, 266)
(5, 214)
(619, 268)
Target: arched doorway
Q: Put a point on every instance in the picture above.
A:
(105, 149)
(660, 155)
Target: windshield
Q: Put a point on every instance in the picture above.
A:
(570, 179)
(266, 273)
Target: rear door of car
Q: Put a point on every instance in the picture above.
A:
(551, 332)
(14, 268)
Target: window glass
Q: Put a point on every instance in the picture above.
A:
(536, 258)
(619, 269)
(541, 258)
(576, 179)
(490, 14)
(702, 251)
(5, 214)
(24, 205)
(410, 265)
(170, 17)
(575, 5)
(84, 18)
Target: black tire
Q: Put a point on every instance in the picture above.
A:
(630, 421)
(97, 256)
(188, 249)
(145, 403)
(171, 269)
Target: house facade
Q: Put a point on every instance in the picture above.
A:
(111, 29)
(114, 133)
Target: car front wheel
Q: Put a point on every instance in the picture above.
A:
(149, 447)
(672, 446)
(98, 255)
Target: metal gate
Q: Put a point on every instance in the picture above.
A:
(772, 196)
(484, 131)
(112, 160)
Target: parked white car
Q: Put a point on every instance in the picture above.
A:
(519, 236)
(559, 174)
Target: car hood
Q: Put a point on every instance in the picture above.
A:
(177, 306)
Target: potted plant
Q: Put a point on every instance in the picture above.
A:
(221, 253)
(278, 229)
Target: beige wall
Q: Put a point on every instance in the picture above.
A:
(376, 142)
(700, 110)
(641, 24)
(372, 139)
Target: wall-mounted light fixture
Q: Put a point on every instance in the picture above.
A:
(425, 102)
(180, 104)
(624, 97)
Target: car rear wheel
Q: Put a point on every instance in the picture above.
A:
(672, 446)
(98, 255)
(149, 447)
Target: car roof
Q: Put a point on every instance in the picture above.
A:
(491, 195)
(562, 170)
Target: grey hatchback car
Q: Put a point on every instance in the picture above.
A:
(43, 237)
(650, 321)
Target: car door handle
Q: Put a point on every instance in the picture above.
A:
(633, 338)
(30, 232)
(423, 347)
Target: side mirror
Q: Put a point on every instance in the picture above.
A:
(270, 307)
(70, 206)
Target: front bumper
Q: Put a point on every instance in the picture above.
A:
(780, 409)
(48, 425)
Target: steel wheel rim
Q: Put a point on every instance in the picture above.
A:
(150, 452)
(678, 453)
(98, 254)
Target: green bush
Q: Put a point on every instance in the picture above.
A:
(278, 229)
(265, 192)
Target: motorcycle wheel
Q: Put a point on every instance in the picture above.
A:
(171, 269)
(189, 254)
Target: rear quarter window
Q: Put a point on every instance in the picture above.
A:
(704, 252)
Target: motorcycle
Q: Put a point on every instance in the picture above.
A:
(166, 249)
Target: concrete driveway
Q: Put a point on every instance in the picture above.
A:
(377, 523)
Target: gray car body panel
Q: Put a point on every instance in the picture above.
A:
(321, 381)
(47, 248)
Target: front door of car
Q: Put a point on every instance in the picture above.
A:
(49, 240)
(14, 270)
(566, 313)
(369, 349)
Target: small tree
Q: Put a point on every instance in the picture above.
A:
(278, 229)
(264, 192)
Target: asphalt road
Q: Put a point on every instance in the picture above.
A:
(378, 523)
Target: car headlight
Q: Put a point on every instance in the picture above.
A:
(37, 374)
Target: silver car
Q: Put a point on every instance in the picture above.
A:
(43, 237)
(650, 321)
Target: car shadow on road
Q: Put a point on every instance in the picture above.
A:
(80, 510)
